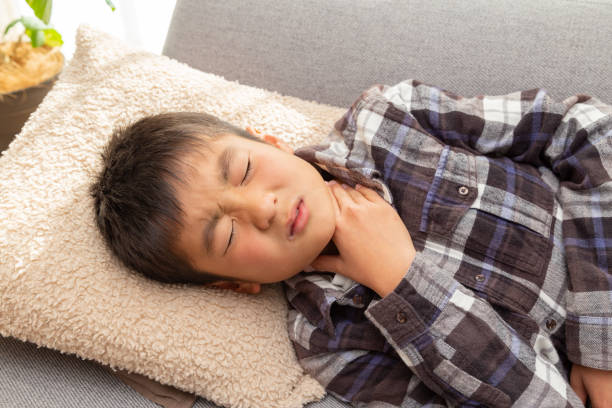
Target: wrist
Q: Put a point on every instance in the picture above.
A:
(384, 290)
(392, 280)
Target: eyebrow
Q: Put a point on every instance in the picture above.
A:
(225, 159)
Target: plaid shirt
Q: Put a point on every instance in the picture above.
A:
(508, 200)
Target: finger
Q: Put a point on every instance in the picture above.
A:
(340, 194)
(335, 201)
(597, 393)
(578, 385)
(354, 194)
(368, 193)
(327, 263)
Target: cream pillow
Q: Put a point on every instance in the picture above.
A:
(60, 287)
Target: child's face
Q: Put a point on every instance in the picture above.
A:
(259, 207)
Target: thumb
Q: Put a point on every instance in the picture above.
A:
(329, 263)
(577, 384)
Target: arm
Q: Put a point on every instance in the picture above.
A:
(454, 341)
(461, 348)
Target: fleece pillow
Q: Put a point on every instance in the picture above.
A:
(61, 288)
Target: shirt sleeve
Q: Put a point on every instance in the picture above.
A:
(458, 345)
(573, 139)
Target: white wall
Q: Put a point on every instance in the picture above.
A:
(8, 12)
(139, 23)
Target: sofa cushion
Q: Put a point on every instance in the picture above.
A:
(329, 51)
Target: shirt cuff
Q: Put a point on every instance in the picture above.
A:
(587, 342)
(404, 313)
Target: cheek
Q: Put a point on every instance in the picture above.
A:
(255, 250)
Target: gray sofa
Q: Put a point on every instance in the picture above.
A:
(329, 51)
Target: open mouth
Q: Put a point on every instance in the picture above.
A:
(300, 218)
(295, 216)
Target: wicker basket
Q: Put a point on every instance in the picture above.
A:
(26, 75)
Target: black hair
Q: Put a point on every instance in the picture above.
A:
(135, 204)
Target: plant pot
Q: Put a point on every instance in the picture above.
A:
(15, 109)
(26, 75)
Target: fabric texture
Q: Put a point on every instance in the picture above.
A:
(164, 395)
(61, 288)
(330, 51)
(507, 200)
(39, 377)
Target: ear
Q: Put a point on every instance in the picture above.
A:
(240, 287)
(270, 139)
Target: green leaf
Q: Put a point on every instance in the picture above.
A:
(39, 32)
(11, 24)
(38, 38)
(41, 8)
(33, 23)
(110, 4)
(53, 38)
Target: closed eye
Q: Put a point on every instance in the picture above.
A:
(230, 239)
(248, 170)
(246, 175)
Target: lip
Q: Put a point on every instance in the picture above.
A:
(291, 216)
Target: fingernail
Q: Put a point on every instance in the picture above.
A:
(357, 186)
(332, 182)
(344, 186)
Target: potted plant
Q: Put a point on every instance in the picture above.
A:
(28, 69)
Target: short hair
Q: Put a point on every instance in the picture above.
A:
(135, 204)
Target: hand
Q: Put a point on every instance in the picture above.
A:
(375, 248)
(592, 383)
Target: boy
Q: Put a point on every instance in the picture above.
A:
(493, 290)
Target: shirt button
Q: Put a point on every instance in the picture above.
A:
(357, 299)
(400, 317)
(463, 190)
(551, 324)
(479, 278)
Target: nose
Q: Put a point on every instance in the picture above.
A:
(255, 207)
